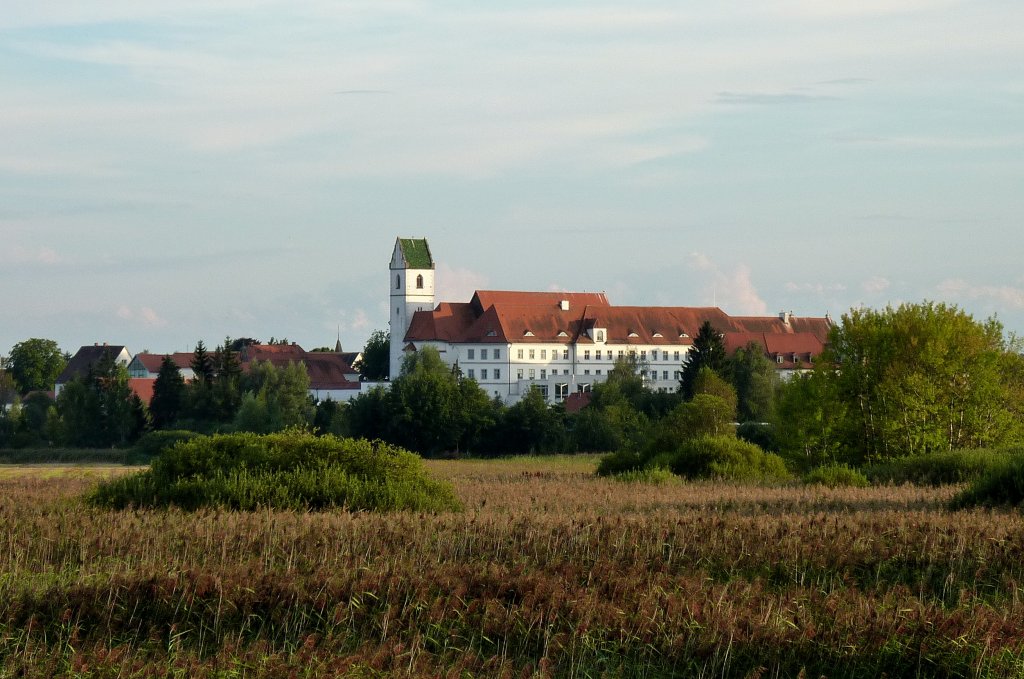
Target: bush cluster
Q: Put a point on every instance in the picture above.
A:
(724, 457)
(287, 470)
(836, 476)
(700, 457)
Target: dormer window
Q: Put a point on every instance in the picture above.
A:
(656, 334)
(419, 282)
(491, 333)
(632, 333)
(527, 333)
(563, 333)
(778, 359)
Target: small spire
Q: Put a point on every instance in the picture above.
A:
(337, 345)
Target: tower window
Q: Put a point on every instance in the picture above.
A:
(398, 282)
(419, 282)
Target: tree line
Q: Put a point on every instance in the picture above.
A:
(99, 409)
(914, 379)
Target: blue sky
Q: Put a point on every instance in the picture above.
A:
(174, 171)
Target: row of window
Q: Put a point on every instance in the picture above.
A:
(471, 373)
(599, 355)
(531, 373)
(494, 353)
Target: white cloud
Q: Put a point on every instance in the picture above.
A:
(18, 254)
(150, 318)
(875, 285)
(145, 316)
(457, 285)
(814, 288)
(733, 291)
(1006, 295)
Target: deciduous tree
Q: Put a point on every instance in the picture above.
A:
(376, 359)
(35, 364)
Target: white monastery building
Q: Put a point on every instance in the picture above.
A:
(564, 342)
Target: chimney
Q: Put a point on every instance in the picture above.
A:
(784, 316)
(564, 305)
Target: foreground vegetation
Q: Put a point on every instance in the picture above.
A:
(550, 571)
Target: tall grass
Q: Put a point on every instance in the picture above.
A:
(549, 572)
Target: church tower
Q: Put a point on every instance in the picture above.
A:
(412, 289)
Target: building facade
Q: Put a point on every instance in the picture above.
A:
(563, 343)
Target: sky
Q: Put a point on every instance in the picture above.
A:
(174, 171)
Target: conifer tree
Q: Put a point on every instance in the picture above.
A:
(708, 351)
(168, 395)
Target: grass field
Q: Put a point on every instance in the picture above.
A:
(549, 572)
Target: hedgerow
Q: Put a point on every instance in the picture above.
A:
(287, 470)
(1001, 485)
(936, 469)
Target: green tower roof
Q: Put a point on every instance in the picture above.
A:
(416, 253)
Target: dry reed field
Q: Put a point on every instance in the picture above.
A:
(549, 571)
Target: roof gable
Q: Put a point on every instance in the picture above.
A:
(88, 356)
(152, 362)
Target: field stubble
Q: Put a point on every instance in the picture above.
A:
(549, 572)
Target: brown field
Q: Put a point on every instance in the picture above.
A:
(548, 572)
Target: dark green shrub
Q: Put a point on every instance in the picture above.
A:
(287, 470)
(620, 462)
(936, 469)
(726, 457)
(836, 475)
(1001, 485)
(760, 434)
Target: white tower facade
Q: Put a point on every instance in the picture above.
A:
(411, 280)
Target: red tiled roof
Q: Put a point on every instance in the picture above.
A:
(657, 325)
(483, 299)
(819, 327)
(330, 371)
(151, 362)
(142, 387)
(326, 369)
(796, 349)
(447, 322)
(577, 402)
(265, 352)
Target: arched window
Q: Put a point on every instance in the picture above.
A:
(419, 282)
(398, 282)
